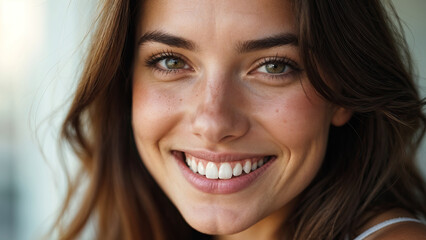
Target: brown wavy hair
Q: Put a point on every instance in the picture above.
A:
(354, 55)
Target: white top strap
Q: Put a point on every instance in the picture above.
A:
(384, 224)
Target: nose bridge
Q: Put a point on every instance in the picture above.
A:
(216, 93)
(217, 116)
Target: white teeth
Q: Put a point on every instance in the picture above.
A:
(225, 171)
(201, 169)
(238, 169)
(254, 166)
(247, 167)
(193, 166)
(211, 171)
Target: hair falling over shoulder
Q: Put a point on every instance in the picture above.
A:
(355, 56)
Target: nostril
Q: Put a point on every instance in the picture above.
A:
(225, 138)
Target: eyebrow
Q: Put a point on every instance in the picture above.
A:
(168, 39)
(242, 47)
(268, 42)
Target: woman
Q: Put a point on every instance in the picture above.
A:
(247, 119)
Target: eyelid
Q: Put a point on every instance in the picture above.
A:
(153, 63)
(153, 60)
(162, 62)
(276, 59)
(277, 79)
(156, 57)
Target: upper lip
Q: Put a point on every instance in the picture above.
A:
(222, 157)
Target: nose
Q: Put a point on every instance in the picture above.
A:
(219, 116)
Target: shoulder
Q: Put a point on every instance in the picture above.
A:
(403, 230)
(396, 231)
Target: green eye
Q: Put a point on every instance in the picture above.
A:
(168, 62)
(172, 63)
(275, 68)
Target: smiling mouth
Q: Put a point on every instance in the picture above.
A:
(223, 169)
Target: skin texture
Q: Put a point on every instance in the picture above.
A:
(222, 101)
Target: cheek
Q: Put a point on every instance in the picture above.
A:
(155, 114)
(305, 120)
(298, 119)
(299, 125)
(154, 111)
(303, 134)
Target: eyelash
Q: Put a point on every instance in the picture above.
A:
(155, 58)
(294, 68)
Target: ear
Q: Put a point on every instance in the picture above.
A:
(340, 116)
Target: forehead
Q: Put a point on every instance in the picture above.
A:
(209, 20)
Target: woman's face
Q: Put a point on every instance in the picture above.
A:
(220, 85)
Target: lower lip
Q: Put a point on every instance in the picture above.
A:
(220, 186)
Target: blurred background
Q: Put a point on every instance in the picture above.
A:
(41, 47)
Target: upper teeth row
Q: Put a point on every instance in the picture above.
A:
(225, 170)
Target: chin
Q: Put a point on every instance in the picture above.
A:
(217, 221)
(217, 226)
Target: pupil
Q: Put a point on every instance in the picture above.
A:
(275, 68)
(174, 63)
